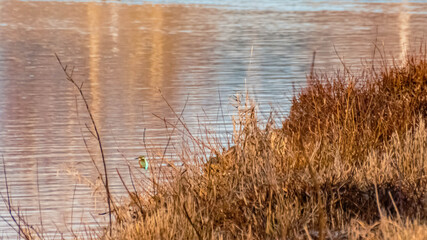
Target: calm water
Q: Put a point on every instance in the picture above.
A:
(131, 53)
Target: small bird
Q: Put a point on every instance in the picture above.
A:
(143, 162)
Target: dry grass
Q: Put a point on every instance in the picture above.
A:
(348, 163)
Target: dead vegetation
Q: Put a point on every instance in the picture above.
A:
(349, 162)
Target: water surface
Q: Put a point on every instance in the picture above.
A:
(136, 58)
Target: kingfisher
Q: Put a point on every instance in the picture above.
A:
(143, 162)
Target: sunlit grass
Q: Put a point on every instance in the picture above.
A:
(349, 162)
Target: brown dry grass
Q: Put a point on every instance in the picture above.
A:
(348, 163)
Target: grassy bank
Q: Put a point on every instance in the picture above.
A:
(349, 162)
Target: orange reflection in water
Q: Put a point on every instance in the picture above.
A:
(157, 45)
(94, 25)
(404, 31)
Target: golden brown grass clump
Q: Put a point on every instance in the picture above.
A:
(349, 162)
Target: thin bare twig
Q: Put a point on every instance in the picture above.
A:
(191, 222)
(16, 216)
(98, 136)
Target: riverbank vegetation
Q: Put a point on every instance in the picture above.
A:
(348, 162)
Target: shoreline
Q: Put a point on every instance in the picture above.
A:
(348, 162)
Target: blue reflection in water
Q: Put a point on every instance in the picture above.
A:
(287, 5)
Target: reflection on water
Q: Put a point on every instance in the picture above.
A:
(404, 17)
(94, 38)
(156, 58)
(129, 55)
